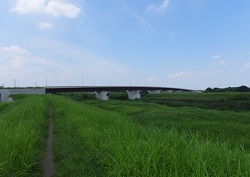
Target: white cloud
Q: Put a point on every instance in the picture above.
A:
(22, 65)
(16, 57)
(15, 50)
(161, 7)
(247, 65)
(56, 8)
(29, 6)
(180, 75)
(244, 68)
(140, 19)
(64, 62)
(137, 16)
(45, 25)
(196, 79)
(222, 62)
(219, 60)
(59, 8)
(216, 56)
(151, 79)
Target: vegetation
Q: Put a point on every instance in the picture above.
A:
(22, 135)
(222, 101)
(242, 88)
(225, 126)
(95, 142)
(79, 96)
(128, 138)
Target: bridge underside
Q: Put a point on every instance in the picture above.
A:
(101, 92)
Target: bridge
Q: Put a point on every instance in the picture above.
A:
(101, 92)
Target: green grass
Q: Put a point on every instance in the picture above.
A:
(123, 138)
(22, 135)
(224, 126)
(222, 101)
(95, 142)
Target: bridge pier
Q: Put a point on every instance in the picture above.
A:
(134, 94)
(154, 91)
(168, 91)
(102, 95)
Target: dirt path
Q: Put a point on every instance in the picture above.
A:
(48, 159)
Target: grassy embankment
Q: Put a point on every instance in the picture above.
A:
(123, 139)
(97, 142)
(22, 135)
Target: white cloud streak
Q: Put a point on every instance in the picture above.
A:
(14, 50)
(222, 62)
(161, 7)
(45, 25)
(140, 19)
(216, 56)
(180, 75)
(151, 79)
(219, 60)
(247, 65)
(56, 8)
(17, 57)
(56, 58)
(137, 16)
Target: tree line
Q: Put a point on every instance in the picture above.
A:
(242, 88)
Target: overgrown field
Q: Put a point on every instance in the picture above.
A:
(223, 101)
(129, 138)
(22, 135)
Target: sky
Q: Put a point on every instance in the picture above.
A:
(193, 44)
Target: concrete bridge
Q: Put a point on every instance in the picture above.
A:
(101, 92)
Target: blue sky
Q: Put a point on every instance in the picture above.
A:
(175, 43)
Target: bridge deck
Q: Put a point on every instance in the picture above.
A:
(56, 89)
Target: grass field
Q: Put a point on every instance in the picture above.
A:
(22, 135)
(127, 138)
(120, 147)
(227, 126)
(223, 101)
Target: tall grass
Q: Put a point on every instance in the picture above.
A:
(224, 126)
(22, 133)
(222, 101)
(95, 142)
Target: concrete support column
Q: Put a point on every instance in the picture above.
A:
(154, 91)
(134, 94)
(102, 95)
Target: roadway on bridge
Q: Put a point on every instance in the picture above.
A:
(56, 89)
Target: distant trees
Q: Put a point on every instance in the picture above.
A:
(242, 88)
